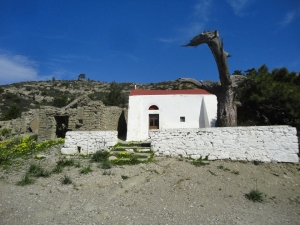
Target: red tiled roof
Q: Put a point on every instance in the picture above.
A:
(170, 92)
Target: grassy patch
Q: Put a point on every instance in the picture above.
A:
(86, 170)
(57, 169)
(130, 144)
(199, 162)
(100, 156)
(65, 162)
(255, 196)
(38, 171)
(66, 180)
(26, 180)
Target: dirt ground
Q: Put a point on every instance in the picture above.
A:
(166, 191)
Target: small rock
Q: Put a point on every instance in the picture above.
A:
(39, 156)
(112, 158)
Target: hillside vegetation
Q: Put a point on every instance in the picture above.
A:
(33, 94)
(272, 98)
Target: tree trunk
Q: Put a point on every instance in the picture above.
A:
(226, 114)
(225, 89)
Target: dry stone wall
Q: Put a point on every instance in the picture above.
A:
(88, 142)
(266, 143)
(22, 124)
(82, 115)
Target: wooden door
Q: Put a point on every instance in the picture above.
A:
(153, 121)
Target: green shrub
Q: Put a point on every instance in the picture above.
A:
(60, 101)
(100, 156)
(255, 196)
(5, 132)
(22, 147)
(13, 112)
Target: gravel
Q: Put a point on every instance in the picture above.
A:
(165, 191)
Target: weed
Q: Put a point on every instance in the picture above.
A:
(130, 144)
(65, 162)
(38, 171)
(255, 196)
(124, 177)
(26, 180)
(57, 169)
(78, 164)
(235, 172)
(106, 172)
(256, 163)
(212, 173)
(128, 160)
(34, 169)
(106, 165)
(100, 156)
(221, 167)
(43, 173)
(199, 162)
(86, 170)
(66, 180)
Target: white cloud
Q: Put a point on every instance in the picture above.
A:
(202, 9)
(166, 40)
(17, 68)
(239, 6)
(199, 19)
(289, 17)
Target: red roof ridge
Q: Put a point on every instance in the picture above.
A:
(169, 92)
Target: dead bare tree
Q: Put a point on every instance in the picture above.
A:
(225, 89)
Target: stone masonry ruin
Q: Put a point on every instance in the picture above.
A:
(82, 114)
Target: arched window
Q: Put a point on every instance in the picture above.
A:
(153, 107)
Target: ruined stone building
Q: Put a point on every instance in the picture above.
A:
(82, 114)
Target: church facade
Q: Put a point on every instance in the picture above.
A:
(169, 109)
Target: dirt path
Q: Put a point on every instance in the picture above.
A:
(166, 191)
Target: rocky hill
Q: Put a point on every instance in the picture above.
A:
(33, 94)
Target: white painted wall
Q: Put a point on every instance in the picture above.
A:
(171, 108)
(266, 143)
(88, 141)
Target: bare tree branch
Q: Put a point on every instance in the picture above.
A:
(225, 89)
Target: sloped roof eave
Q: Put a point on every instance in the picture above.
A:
(137, 92)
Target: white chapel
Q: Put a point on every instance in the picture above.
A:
(169, 109)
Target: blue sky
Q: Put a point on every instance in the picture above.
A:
(139, 40)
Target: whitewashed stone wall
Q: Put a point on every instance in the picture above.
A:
(265, 143)
(88, 142)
